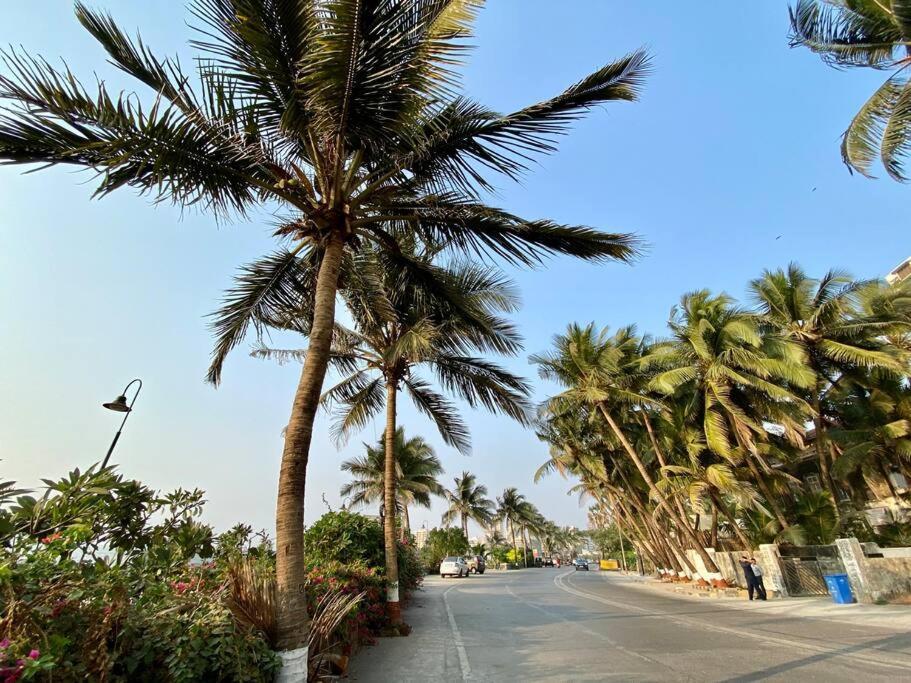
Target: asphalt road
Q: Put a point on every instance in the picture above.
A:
(558, 624)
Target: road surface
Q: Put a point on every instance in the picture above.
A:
(559, 624)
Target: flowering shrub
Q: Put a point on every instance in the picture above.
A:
(96, 584)
(105, 579)
(15, 666)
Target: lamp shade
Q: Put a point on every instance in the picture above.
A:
(118, 405)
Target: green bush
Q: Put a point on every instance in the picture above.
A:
(96, 584)
(345, 537)
(411, 568)
(348, 538)
(442, 543)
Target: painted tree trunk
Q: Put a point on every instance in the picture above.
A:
(292, 622)
(393, 609)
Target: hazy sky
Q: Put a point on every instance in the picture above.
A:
(734, 143)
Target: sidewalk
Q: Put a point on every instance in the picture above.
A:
(822, 607)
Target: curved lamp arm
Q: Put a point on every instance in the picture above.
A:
(129, 409)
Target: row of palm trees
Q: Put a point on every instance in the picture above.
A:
(344, 119)
(709, 421)
(417, 469)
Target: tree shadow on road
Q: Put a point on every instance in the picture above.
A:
(896, 642)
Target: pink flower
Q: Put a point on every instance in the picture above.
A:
(4, 643)
(34, 654)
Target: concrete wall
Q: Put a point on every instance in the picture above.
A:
(896, 552)
(888, 578)
(729, 564)
(874, 578)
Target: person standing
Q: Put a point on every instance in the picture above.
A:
(748, 574)
(757, 572)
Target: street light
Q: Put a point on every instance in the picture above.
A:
(119, 405)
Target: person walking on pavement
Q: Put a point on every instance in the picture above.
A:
(757, 571)
(748, 574)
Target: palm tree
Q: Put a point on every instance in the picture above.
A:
(605, 372)
(416, 470)
(468, 500)
(874, 34)
(405, 320)
(738, 378)
(509, 509)
(343, 116)
(822, 317)
(874, 436)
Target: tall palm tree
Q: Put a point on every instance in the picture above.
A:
(738, 378)
(406, 320)
(822, 317)
(605, 372)
(416, 470)
(341, 114)
(874, 34)
(468, 500)
(509, 509)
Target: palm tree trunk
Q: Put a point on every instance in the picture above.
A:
(406, 520)
(767, 492)
(713, 537)
(822, 455)
(525, 546)
(659, 453)
(292, 622)
(735, 527)
(393, 609)
(515, 548)
(465, 525)
(707, 560)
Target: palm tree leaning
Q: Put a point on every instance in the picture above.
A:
(342, 116)
(468, 500)
(416, 471)
(739, 379)
(822, 317)
(874, 34)
(604, 372)
(426, 317)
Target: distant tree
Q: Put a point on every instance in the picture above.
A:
(467, 500)
(417, 468)
(443, 543)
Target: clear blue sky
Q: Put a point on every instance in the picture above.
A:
(722, 155)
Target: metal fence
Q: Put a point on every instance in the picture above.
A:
(804, 567)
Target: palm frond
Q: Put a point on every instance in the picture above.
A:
(264, 291)
(442, 412)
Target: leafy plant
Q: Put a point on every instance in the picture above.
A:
(442, 543)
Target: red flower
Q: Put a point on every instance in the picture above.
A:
(50, 539)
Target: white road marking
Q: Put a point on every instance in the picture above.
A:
(457, 639)
(771, 640)
(610, 641)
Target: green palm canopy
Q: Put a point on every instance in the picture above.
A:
(416, 470)
(873, 34)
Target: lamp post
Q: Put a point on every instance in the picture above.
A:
(119, 405)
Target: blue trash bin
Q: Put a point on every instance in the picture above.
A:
(839, 589)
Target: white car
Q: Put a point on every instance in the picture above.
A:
(453, 566)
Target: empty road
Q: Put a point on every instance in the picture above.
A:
(558, 624)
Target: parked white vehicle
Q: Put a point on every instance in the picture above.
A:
(453, 566)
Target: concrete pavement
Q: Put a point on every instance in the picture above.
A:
(558, 624)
